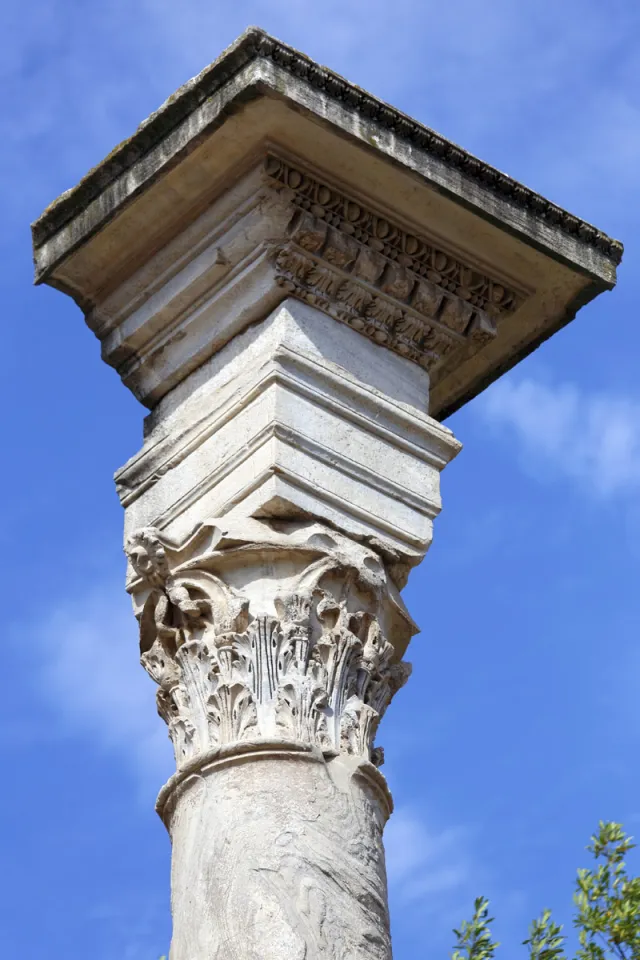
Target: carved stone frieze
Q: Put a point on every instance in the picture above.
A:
(355, 222)
(309, 662)
(398, 289)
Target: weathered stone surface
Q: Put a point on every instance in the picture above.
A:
(284, 490)
(256, 629)
(297, 416)
(276, 647)
(419, 245)
(278, 854)
(299, 282)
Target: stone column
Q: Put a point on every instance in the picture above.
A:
(276, 639)
(270, 649)
(300, 283)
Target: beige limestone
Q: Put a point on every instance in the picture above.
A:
(174, 200)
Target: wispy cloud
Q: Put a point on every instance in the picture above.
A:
(435, 873)
(562, 430)
(88, 672)
(426, 865)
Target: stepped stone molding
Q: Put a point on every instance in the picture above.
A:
(297, 415)
(311, 662)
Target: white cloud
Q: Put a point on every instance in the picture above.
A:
(425, 865)
(592, 439)
(87, 669)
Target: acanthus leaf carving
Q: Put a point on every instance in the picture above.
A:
(301, 707)
(318, 669)
(232, 712)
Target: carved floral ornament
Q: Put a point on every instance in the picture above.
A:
(318, 669)
(398, 289)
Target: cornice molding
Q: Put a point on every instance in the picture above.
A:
(399, 289)
(390, 240)
(255, 45)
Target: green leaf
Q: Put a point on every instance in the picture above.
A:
(473, 939)
(545, 939)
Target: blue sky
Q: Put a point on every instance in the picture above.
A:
(521, 725)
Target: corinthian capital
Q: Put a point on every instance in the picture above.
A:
(261, 630)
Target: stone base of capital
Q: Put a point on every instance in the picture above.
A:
(296, 417)
(219, 758)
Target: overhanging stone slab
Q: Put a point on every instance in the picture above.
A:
(264, 115)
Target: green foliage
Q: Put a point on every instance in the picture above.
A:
(607, 914)
(545, 939)
(473, 939)
(608, 900)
